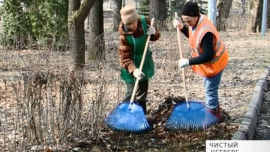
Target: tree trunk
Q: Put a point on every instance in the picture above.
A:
(268, 16)
(259, 17)
(77, 14)
(242, 9)
(223, 7)
(254, 15)
(116, 6)
(159, 12)
(96, 31)
(123, 3)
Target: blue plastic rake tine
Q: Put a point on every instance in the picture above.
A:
(128, 117)
(195, 118)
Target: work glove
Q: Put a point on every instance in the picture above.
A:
(137, 73)
(177, 22)
(151, 31)
(183, 62)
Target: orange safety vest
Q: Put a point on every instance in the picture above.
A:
(220, 59)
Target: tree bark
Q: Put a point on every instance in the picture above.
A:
(268, 16)
(77, 13)
(96, 38)
(223, 7)
(159, 12)
(242, 9)
(254, 15)
(259, 17)
(116, 6)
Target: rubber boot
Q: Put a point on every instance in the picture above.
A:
(217, 113)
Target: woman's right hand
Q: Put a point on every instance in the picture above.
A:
(137, 73)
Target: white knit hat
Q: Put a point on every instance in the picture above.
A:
(128, 14)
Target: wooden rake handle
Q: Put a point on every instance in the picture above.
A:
(181, 56)
(141, 65)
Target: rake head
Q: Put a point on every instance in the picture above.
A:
(197, 117)
(128, 117)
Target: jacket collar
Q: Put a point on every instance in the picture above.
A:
(198, 22)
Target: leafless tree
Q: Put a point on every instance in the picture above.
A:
(96, 45)
(255, 9)
(223, 7)
(159, 12)
(116, 6)
(77, 13)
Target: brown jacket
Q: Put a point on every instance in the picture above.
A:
(125, 50)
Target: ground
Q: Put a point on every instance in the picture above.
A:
(249, 57)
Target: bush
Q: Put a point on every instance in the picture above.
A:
(41, 21)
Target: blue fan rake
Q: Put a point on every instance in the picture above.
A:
(129, 116)
(194, 118)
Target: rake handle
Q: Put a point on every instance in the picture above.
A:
(181, 56)
(141, 65)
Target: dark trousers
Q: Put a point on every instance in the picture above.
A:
(141, 94)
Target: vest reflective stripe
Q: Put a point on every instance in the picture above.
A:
(220, 59)
(220, 54)
(196, 51)
(207, 28)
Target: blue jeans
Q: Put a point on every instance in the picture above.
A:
(211, 90)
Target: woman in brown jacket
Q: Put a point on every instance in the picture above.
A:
(133, 30)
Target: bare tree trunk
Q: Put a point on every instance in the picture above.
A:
(159, 12)
(77, 14)
(268, 16)
(96, 37)
(259, 17)
(116, 6)
(242, 9)
(223, 7)
(254, 15)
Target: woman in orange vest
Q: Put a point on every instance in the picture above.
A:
(209, 54)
